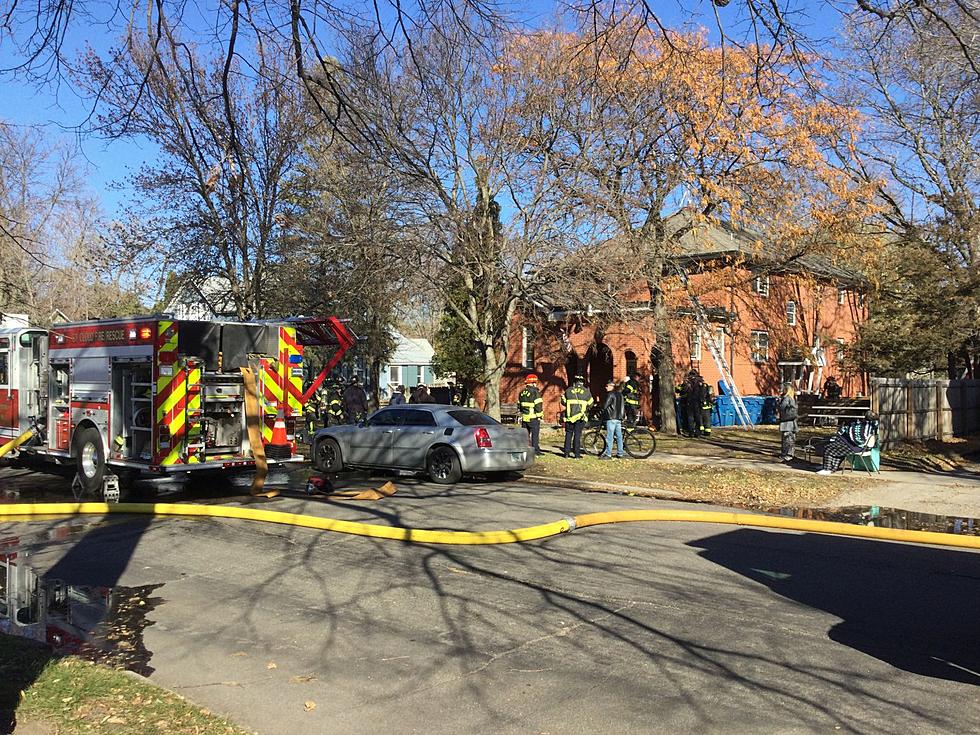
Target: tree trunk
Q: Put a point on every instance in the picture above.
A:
(375, 397)
(495, 363)
(665, 369)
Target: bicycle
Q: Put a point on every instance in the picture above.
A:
(639, 441)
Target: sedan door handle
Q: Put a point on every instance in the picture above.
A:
(388, 431)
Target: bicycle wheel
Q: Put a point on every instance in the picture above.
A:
(594, 442)
(639, 443)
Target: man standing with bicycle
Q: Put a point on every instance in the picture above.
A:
(613, 410)
(575, 402)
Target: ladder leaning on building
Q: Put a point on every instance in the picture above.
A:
(701, 318)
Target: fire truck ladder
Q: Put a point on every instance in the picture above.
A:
(701, 318)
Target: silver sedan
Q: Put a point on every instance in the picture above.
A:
(444, 441)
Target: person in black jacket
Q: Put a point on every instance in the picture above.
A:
(355, 402)
(421, 394)
(692, 402)
(614, 411)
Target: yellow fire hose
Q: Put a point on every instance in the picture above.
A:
(25, 511)
(14, 443)
(253, 419)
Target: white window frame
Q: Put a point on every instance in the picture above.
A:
(756, 345)
(761, 285)
(791, 313)
(841, 296)
(719, 338)
(694, 341)
(840, 347)
(394, 370)
(527, 340)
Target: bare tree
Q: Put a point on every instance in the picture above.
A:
(482, 222)
(51, 247)
(922, 97)
(230, 140)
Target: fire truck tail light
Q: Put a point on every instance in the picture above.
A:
(132, 334)
(482, 437)
(145, 332)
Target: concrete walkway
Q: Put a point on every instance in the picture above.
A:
(941, 493)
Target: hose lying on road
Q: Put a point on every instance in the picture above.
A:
(27, 511)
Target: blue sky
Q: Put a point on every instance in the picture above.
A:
(62, 112)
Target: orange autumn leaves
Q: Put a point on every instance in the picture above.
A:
(632, 120)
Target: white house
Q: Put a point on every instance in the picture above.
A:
(410, 364)
(203, 301)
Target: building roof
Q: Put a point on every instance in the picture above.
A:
(411, 351)
(718, 239)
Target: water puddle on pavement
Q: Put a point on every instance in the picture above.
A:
(100, 624)
(864, 515)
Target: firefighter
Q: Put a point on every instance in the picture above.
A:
(397, 397)
(575, 403)
(707, 404)
(355, 402)
(311, 412)
(455, 394)
(532, 410)
(680, 407)
(631, 398)
(693, 402)
(335, 406)
(832, 389)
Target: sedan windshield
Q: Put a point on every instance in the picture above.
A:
(469, 417)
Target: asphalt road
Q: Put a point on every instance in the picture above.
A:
(633, 628)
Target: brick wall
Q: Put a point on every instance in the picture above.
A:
(817, 312)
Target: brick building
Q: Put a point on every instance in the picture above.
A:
(776, 318)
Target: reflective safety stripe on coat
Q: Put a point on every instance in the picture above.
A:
(531, 404)
(576, 402)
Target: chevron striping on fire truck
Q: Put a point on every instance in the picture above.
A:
(153, 394)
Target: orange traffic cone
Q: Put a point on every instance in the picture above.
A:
(279, 447)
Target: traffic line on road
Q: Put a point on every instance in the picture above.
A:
(31, 511)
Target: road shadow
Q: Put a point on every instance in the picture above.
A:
(929, 626)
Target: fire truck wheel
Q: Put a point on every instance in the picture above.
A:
(90, 459)
(326, 456)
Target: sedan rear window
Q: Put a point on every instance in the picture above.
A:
(468, 417)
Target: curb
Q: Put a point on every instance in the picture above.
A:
(604, 487)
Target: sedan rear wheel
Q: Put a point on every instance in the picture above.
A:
(443, 466)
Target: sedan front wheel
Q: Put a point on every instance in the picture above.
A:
(326, 456)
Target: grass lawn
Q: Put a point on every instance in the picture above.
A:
(724, 485)
(69, 695)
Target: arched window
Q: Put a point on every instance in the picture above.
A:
(630, 358)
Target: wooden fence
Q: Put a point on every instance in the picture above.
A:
(925, 409)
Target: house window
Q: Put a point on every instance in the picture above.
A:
(760, 346)
(761, 285)
(395, 374)
(791, 313)
(527, 348)
(695, 339)
(630, 363)
(841, 296)
(720, 340)
(840, 350)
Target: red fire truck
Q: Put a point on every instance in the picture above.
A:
(157, 395)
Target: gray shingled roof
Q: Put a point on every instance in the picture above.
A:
(720, 240)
